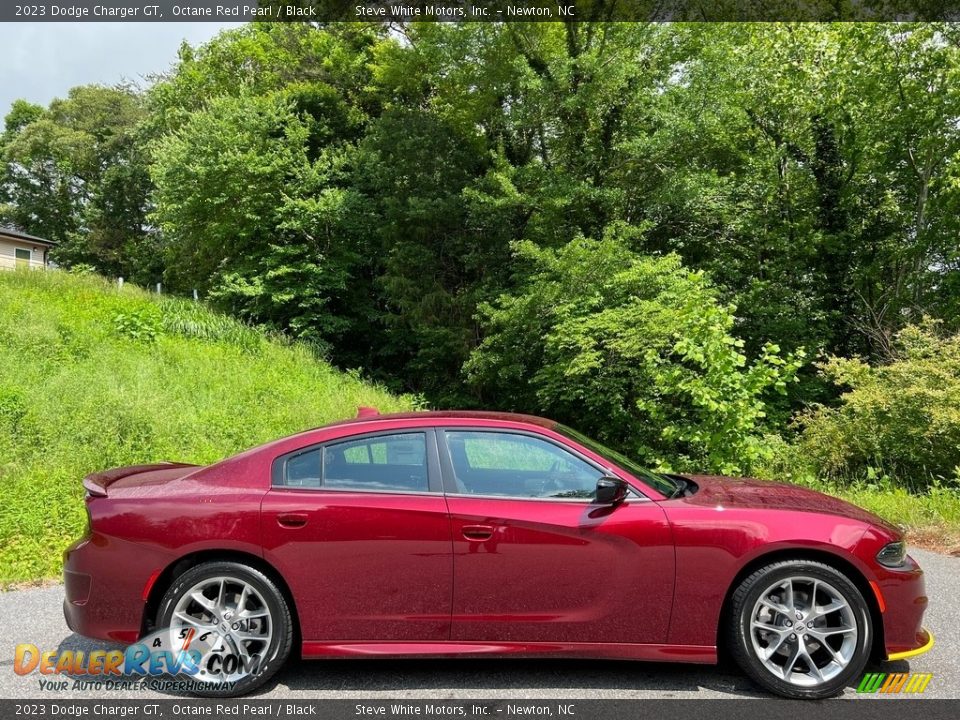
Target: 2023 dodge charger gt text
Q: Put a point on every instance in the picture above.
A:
(464, 533)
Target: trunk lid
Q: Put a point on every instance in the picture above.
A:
(98, 483)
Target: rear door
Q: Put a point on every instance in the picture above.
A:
(535, 560)
(359, 528)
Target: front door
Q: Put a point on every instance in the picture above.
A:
(535, 560)
(359, 529)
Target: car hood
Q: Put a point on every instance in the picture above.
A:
(766, 495)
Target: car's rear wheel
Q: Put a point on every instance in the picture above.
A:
(800, 629)
(236, 619)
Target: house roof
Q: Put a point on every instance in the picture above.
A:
(19, 235)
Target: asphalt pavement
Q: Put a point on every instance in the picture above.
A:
(35, 616)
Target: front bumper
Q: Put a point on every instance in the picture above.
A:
(925, 647)
(904, 601)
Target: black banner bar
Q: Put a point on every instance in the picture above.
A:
(872, 708)
(324, 11)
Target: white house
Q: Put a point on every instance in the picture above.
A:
(17, 249)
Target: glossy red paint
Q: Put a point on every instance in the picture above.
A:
(610, 651)
(443, 573)
(903, 592)
(731, 523)
(386, 571)
(569, 572)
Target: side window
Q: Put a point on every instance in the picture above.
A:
(384, 462)
(303, 470)
(514, 465)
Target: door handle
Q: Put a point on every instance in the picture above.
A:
(477, 533)
(292, 520)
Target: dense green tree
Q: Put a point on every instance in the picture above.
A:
(262, 58)
(634, 350)
(412, 168)
(77, 173)
(811, 175)
(250, 192)
(38, 176)
(364, 187)
(221, 180)
(237, 223)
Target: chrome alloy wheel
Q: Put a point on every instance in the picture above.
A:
(803, 631)
(228, 616)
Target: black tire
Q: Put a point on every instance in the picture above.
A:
(738, 627)
(281, 641)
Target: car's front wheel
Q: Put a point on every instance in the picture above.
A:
(235, 619)
(800, 629)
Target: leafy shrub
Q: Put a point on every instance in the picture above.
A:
(141, 324)
(898, 422)
(82, 269)
(785, 461)
(635, 350)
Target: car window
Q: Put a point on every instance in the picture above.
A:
(303, 470)
(515, 465)
(661, 483)
(382, 462)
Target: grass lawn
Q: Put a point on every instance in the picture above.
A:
(932, 520)
(92, 377)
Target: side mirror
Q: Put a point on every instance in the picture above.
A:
(610, 490)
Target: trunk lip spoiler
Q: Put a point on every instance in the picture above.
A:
(96, 484)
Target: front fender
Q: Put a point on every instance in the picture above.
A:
(714, 546)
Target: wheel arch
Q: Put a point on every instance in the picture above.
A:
(179, 566)
(837, 562)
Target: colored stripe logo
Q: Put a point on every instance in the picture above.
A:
(894, 683)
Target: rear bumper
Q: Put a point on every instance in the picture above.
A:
(104, 579)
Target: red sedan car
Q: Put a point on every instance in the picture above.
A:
(466, 533)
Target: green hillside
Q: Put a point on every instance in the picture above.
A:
(94, 377)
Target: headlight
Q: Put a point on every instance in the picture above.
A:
(893, 555)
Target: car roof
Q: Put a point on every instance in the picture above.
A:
(451, 415)
(371, 417)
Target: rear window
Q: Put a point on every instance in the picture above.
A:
(382, 462)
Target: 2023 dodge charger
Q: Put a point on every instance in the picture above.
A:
(465, 533)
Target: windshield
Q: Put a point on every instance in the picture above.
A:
(660, 483)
